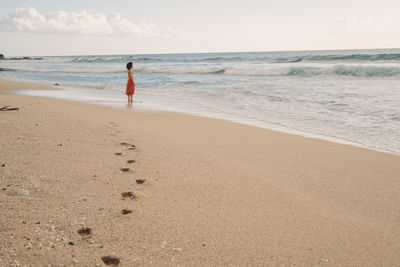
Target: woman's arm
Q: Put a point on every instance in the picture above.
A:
(130, 75)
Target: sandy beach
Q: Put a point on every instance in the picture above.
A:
(88, 185)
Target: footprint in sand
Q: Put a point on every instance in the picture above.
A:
(128, 194)
(125, 212)
(131, 161)
(118, 154)
(85, 231)
(124, 169)
(140, 181)
(109, 260)
(130, 146)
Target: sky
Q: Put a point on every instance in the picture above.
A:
(91, 27)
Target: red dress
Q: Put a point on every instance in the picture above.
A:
(130, 87)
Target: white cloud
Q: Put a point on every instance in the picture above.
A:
(81, 23)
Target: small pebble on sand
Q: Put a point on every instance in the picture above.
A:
(22, 192)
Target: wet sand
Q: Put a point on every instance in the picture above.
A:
(89, 185)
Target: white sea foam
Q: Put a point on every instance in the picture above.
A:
(339, 70)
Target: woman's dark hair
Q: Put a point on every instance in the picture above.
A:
(129, 65)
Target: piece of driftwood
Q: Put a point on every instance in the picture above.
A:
(7, 108)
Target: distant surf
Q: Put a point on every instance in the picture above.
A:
(244, 57)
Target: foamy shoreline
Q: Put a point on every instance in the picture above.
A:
(143, 103)
(214, 192)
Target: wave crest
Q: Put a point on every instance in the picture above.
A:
(338, 70)
(357, 57)
(227, 58)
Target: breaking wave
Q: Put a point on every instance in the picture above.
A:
(356, 57)
(339, 70)
(243, 57)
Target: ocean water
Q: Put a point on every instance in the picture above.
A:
(350, 96)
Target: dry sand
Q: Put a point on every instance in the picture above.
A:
(215, 193)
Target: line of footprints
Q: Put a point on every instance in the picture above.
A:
(86, 231)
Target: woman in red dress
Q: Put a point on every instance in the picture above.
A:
(130, 85)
